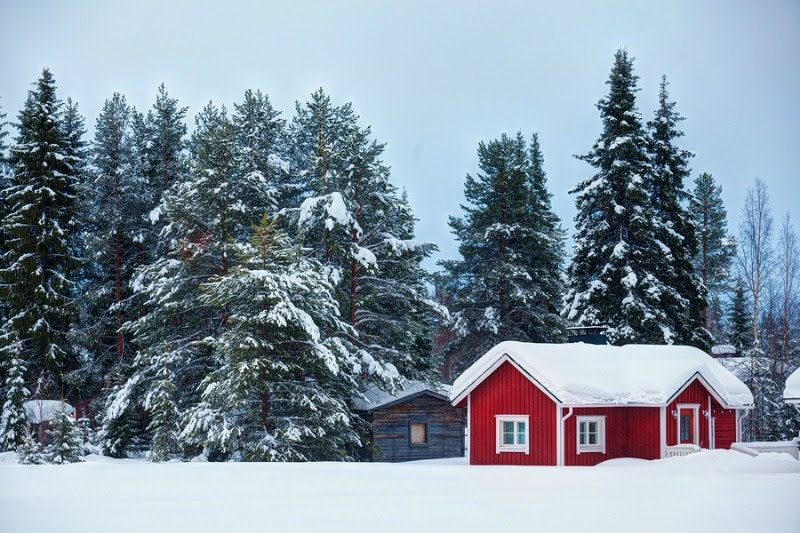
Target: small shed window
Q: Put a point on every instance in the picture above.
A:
(418, 433)
(591, 434)
(512, 433)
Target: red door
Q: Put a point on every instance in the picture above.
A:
(686, 426)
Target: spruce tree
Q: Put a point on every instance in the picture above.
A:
(281, 391)
(507, 286)
(30, 453)
(66, 439)
(13, 428)
(740, 330)
(39, 260)
(685, 300)
(716, 248)
(613, 277)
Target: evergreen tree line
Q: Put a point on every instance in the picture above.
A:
(228, 292)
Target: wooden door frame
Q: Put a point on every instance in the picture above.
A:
(695, 408)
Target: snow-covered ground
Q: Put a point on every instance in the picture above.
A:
(720, 490)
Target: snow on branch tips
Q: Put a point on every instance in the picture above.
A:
(330, 208)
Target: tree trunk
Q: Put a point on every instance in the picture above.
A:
(118, 293)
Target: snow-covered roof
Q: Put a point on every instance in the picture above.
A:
(723, 349)
(38, 411)
(791, 392)
(376, 398)
(589, 374)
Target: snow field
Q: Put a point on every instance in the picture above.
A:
(713, 491)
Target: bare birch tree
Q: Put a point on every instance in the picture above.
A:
(755, 259)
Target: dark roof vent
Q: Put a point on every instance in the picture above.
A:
(588, 334)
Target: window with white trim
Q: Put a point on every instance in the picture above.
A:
(513, 433)
(591, 434)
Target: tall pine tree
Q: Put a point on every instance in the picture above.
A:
(281, 390)
(507, 286)
(354, 220)
(613, 277)
(115, 202)
(685, 300)
(160, 146)
(716, 248)
(39, 260)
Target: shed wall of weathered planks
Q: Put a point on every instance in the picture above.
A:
(507, 392)
(445, 430)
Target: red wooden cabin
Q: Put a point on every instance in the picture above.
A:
(581, 404)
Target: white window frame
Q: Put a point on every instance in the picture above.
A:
(518, 448)
(600, 447)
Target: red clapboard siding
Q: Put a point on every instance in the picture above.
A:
(507, 392)
(630, 432)
(724, 426)
(697, 393)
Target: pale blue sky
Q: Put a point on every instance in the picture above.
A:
(434, 78)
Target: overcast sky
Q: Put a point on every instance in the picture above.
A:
(433, 78)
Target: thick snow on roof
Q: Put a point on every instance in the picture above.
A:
(38, 411)
(378, 398)
(588, 374)
(791, 393)
(723, 349)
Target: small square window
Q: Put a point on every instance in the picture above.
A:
(591, 434)
(418, 433)
(512, 433)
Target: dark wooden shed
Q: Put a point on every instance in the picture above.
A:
(418, 422)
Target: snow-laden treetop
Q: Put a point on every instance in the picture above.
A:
(588, 374)
(791, 394)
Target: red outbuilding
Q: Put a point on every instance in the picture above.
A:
(581, 404)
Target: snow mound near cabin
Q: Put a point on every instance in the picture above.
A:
(731, 462)
(714, 462)
(791, 394)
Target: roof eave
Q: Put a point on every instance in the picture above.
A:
(504, 357)
(406, 398)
